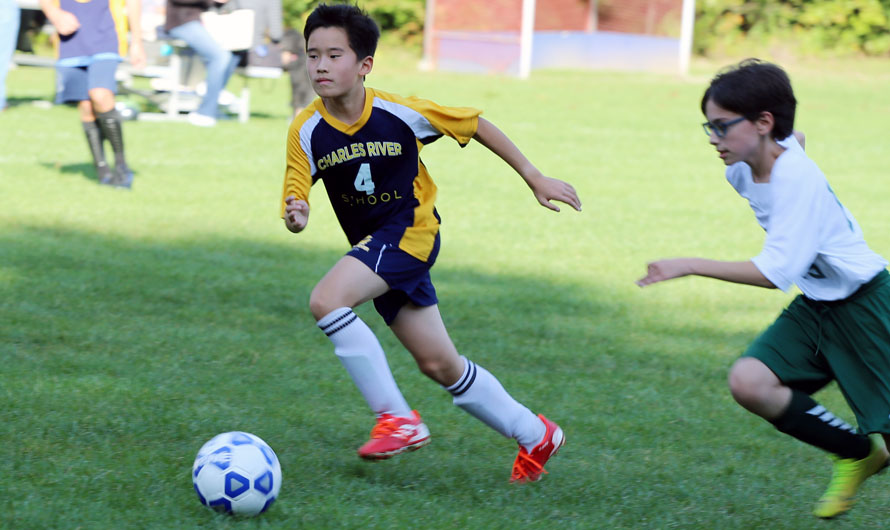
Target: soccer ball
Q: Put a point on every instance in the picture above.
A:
(127, 111)
(237, 473)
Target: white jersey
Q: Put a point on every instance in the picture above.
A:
(812, 240)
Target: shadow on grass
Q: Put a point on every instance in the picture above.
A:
(214, 282)
(18, 101)
(72, 296)
(111, 342)
(86, 169)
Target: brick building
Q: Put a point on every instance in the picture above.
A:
(485, 36)
(648, 17)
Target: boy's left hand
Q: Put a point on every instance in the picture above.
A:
(662, 270)
(65, 22)
(137, 54)
(548, 189)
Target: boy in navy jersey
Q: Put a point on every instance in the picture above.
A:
(365, 145)
(93, 40)
(839, 328)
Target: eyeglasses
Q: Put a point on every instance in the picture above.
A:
(719, 128)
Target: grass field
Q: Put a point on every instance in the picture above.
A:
(136, 325)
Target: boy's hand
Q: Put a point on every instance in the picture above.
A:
(666, 269)
(137, 53)
(548, 189)
(65, 22)
(296, 214)
(545, 189)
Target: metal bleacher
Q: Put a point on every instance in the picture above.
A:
(173, 77)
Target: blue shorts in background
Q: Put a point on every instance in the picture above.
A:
(408, 277)
(73, 83)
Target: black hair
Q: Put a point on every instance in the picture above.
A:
(752, 87)
(360, 28)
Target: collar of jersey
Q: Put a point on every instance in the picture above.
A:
(350, 129)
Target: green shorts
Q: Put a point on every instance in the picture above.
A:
(813, 343)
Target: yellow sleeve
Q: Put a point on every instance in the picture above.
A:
(118, 10)
(297, 175)
(459, 123)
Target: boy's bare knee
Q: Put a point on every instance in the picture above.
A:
(441, 368)
(85, 109)
(433, 368)
(741, 383)
(102, 99)
(321, 305)
(750, 382)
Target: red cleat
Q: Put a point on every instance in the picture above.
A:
(393, 435)
(529, 467)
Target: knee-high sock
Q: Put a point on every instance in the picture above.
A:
(95, 143)
(480, 394)
(811, 423)
(359, 350)
(110, 123)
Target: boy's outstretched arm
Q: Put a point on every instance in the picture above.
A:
(731, 271)
(544, 188)
(296, 214)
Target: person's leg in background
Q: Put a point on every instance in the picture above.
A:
(102, 88)
(9, 33)
(95, 141)
(220, 64)
(73, 86)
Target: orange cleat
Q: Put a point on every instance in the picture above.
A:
(529, 467)
(393, 435)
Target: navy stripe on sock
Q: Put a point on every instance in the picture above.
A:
(466, 381)
(339, 324)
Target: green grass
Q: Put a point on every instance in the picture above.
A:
(136, 325)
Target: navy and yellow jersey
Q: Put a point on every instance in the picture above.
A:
(371, 169)
(102, 32)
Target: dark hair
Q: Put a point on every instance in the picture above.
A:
(360, 28)
(752, 87)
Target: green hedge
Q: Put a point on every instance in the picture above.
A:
(809, 27)
(402, 18)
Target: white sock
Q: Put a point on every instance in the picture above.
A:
(482, 395)
(359, 350)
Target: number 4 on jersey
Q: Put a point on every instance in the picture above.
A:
(363, 180)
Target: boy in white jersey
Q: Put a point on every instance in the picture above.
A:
(839, 328)
(365, 145)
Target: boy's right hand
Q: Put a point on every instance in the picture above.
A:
(665, 269)
(65, 22)
(296, 214)
(548, 189)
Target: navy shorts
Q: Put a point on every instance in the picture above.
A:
(73, 83)
(408, 277)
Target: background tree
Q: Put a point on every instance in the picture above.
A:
(401, 18)
(834, 27)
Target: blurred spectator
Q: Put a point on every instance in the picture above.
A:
(31, 21)
(9, 33)
(153, 18)
(274, 47)
(293, 58)
(267, 23)
(268, 29)
(92, 38)
(183, 22)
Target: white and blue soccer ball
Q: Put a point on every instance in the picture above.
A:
(237, 473)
